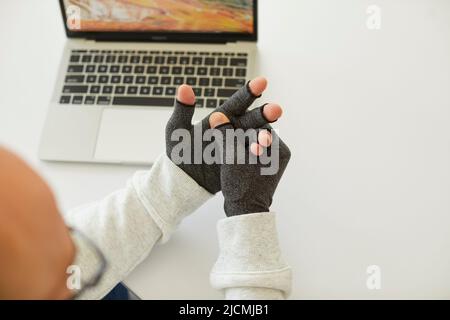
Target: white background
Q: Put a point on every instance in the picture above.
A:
(367, 119)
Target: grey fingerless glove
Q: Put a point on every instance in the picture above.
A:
(248, 188)
(207, 175)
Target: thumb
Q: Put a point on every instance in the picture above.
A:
(184, 108)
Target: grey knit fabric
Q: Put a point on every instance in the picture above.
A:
(244, 187)
(235, 108)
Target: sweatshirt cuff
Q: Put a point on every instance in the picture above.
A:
(168, 194)
(250, 257)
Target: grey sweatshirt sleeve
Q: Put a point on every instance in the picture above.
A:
(250, 265)
(126, 224)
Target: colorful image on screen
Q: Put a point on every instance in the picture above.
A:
(163, 15)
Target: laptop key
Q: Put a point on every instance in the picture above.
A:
(75, 68)
(176, 70)
(203, 82)
(214, 72)
(227, 72)
(197, 91)
(202, 71)
(132, 90)
(114, 68)
(238, 62)
(98, 59)
(140, 80)
(189, 71)
(103, 100)
(127, 79)
(191, 81)
(139, 69)
(126, 69)
(123, 59)
(89, 100)
(144, 101)
(90, 68)
(166, 80)
(64, 100)
(151, 70)
(241, 72)
(116, 79)
(86, 59)
(107, 89)
(222, 101)
(217, 82)
(170, 91)
(119, 90)
(225, 93)
(152, 80)
(74, 58)
(91, 78)
(147, 59)
(222, 62)
(144, 90)
(94, 89)
(178, 81)
(75, 89)
(211, 103)
(74, 79)
(77, 100)
(135, 59)
(210, 61)
(197, 61)
(110, 59)
(102, 68)
(158, 91)
(103, 79)
(184, 60)
(164, 70)
(209, 92)
(234, 82)
(172, 60)
(160, 60)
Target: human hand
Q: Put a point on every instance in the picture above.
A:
(35, 245)
(205, 174)
(247, 185)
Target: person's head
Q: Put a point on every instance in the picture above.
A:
(35, 244)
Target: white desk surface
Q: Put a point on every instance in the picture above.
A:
(366, 116)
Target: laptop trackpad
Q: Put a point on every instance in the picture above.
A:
(131, 135)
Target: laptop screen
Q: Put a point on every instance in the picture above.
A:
(163, 16)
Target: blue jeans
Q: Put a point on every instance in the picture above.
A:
(119, 292)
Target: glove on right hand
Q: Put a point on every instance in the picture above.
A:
(247, 188)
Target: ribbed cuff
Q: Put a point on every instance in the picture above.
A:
(250, 256)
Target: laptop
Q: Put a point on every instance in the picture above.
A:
(122, 64)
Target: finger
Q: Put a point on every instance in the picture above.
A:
(256, 149)
(242, 99)
(265, 138)
(186, 95)
(184, 108)
(259, 117)
(217, 118)
(257, 86)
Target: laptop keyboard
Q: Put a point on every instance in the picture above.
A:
(151, 78)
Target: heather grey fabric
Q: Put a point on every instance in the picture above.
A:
(250, 265)
(235, 108)
(244, 187)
